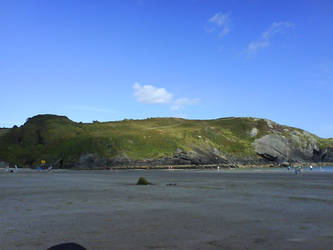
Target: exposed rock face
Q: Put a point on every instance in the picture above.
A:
(121, 160)
(254, 132)
(195, 158)
(299, 147)
(272, 147)
(90, 161)
(327, 155)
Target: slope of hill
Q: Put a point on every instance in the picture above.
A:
(3, 131)
(159, 141)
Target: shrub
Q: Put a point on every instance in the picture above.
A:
(143, 181)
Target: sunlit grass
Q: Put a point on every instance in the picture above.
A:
(53, 137)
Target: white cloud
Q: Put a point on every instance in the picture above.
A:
(153, 95)
(265, 40)
(220, 23)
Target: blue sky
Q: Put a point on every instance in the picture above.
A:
(197, 59)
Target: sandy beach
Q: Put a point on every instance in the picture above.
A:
(205, 209)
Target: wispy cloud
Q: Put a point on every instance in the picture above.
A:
(153, 95)
(182, 102)
(220, 23)
(276, 28)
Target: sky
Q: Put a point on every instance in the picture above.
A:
(197, 59)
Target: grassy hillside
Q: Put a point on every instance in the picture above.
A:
(3, 131)
(56, 138)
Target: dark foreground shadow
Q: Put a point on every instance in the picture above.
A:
(67, 246)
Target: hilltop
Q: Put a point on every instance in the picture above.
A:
(228, 141)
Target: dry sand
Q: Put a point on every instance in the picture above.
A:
(229, 209)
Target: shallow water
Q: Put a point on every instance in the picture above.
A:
(323, 169)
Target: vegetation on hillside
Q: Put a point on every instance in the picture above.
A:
(3, 131)
(56, 138)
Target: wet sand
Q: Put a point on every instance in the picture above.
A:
(228, 209)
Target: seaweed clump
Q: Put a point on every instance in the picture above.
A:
(143, 181)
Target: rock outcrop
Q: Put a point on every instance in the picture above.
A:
(278, 148)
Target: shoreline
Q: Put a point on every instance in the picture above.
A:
(192, 166)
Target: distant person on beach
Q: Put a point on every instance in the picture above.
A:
(297, 170)
(310, 167)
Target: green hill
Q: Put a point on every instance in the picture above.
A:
(158, 141)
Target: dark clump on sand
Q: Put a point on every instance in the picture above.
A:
(143, 181)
